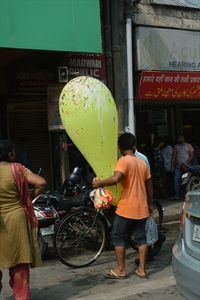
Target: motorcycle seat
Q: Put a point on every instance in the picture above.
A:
(72, 201)
(193, 168)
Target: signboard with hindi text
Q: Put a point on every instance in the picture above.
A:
(167, 49)
(169, 85)
(183, 3)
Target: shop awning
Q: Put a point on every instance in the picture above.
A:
(59, 25)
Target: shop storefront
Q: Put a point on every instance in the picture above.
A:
(168, 88)
(35, 37)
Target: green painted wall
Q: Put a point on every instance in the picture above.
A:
(65, 25)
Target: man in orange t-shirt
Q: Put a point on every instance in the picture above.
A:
(133, 207)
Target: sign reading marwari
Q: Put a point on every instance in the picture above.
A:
(87, 64)
(167, 49)
(184, 3)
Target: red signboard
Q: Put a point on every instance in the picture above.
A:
(169, 85)
(33, 81)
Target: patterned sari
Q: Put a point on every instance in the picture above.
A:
(19, 174)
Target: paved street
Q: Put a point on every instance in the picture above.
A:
(58, 282)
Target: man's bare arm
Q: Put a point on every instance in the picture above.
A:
(117, 177)
(191, 155)
(149, 191)
(173, 159)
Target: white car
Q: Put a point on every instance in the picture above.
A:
(186, 251)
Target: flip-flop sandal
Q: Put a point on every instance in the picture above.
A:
(141, 276)
(113, 275)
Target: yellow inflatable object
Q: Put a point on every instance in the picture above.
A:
(89, 116)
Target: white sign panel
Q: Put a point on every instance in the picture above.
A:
(184, 3)
(167, 49)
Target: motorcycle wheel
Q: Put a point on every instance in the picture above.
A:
(193, 184)
(43, 246)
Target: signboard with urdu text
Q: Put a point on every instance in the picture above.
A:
(184, 3)
(167, 49)
(169, 85)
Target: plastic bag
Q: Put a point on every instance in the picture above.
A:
(151, 231)
(102, 199)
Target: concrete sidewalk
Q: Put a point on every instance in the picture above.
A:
(171, 209)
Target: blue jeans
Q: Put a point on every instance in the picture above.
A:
(177, 181)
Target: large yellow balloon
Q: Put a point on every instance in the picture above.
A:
(89, 116)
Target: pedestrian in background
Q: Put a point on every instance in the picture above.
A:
(157, 168)
(134, 206)
(167, 154)
(19, 246)
(182, 155)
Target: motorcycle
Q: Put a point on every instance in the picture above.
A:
(190, 179)
(71, 194)
(51, 206)
(47, 217)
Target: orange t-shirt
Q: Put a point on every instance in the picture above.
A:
(133, 202)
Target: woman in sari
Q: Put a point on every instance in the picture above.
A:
(19, 248)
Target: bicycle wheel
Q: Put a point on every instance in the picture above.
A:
(80, 238)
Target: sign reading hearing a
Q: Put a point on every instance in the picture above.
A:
(183, 3)
(167, 49)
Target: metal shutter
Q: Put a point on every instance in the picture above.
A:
(34, 126)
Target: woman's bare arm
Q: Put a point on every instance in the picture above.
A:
(38, 181)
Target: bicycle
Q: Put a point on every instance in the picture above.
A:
(84, 233)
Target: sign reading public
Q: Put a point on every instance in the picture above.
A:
(184, 3)
(169, 85)
(168, 49)
(87, 64)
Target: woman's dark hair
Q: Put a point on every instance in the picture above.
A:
(127, 141)
(5, 148)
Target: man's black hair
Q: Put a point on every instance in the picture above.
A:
(5, 148)
(127, 141)
(180, 134)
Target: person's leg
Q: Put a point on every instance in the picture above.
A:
(139, 232)
(120, 256)
(119, 237)
(177, 178)
(0, 281)
(170, 186)
(143, 250)
(19, 281)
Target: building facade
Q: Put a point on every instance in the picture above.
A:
(167, 44)
(166, 67)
